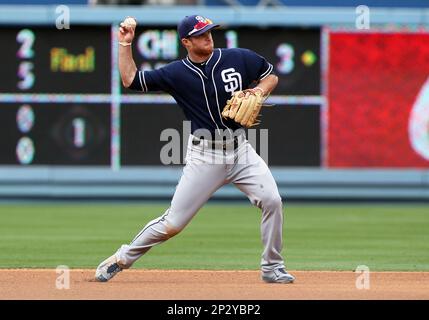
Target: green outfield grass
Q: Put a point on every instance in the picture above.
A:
(225, 236)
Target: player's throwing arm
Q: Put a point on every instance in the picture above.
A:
(127, 66)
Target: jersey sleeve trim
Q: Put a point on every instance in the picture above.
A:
(143, 81)
(267, 72)
(140, 79)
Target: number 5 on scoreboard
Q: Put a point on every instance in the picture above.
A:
(26, 74)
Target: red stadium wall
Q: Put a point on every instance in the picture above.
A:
(375, 79)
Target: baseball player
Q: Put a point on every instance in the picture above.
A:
(202, 84)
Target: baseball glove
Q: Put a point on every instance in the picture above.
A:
(244, 107)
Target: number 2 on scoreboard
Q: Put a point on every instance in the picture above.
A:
(26, 38)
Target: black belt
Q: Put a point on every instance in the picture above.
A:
(213, 144)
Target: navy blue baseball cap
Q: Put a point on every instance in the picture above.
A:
(194, 26)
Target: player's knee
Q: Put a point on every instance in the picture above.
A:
(172, 229)
(272, 203)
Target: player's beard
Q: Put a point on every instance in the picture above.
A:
(204, 51)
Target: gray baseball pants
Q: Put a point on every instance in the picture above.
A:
(207, 170)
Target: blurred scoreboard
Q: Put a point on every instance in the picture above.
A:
(62, 101)
(55, 88)
(42, 60)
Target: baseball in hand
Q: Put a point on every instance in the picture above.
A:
(130, 22)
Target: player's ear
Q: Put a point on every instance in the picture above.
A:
(185, 42)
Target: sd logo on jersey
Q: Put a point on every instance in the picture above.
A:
(232, 80)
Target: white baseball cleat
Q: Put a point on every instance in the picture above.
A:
(107, 269)
(278, 276)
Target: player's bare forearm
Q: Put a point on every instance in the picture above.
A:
(268, 84)
(127, 66)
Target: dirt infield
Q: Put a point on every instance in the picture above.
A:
(211, 285)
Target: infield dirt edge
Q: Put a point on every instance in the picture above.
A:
(142, 284)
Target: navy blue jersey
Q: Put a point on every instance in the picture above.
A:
(202, 91)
